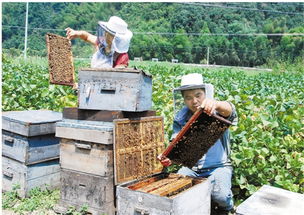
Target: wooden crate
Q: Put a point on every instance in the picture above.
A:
(158, 195)
(30, 123)
(30, 150)
(44, 175)
(83, 130)
(86, 157)
(272, 201)
(114, 89)
(29, 136)
(78, 189)
(139, 190)
(60, 58)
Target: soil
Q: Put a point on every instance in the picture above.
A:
(60, 60)
(199, 137)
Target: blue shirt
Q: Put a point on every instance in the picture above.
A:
(218, 154)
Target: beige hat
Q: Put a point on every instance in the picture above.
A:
(195, 81)
(119, 28)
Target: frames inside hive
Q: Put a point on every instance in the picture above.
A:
(166, 185)
(60, 58)
(199, 134)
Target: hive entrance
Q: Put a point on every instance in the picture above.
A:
(61, 68)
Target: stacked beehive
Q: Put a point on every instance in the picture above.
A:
(87, 135)
(30, 150)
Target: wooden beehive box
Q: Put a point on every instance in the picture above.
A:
(196, 137)
(43, 175)
(86, 160)
(60, 58)
(141, 188)
(272, 201)
(114, 89)
(29, 136)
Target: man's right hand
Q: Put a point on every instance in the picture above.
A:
(71, 33)
(164, 160)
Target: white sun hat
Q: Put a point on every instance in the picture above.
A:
(122, 35)
(195, 81)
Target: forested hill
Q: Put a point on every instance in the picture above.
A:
(234, 33)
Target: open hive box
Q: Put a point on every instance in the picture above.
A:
(196, 137)
(60, 58)
(141, 187)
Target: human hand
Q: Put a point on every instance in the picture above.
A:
(209, 106)
(71, 33)
(164, 160)
(75, 86)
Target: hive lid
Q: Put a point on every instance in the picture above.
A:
(31, 122)
(125, 70)
(195, 138)
(60, 58)
(137, 142)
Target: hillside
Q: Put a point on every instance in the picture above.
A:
(239, 34)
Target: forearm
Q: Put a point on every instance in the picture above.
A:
(223, 108)
(86, 36)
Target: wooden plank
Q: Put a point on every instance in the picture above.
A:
(156, 185)
(145, 182)
(102, 115)
(174, 187)
(60, 58)
(86, 157)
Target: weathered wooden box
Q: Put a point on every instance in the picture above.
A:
(270, 200)
(139, 191)
(193, 199)
(115, 89)
(29, 136)
(86, 146)
(86, 160)
(79, 189)
(44, 175)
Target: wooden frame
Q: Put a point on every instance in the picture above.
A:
(60, 58)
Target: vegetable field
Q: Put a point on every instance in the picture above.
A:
(268, 143)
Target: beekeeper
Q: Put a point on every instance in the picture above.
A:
(112, 43)
(216, 163)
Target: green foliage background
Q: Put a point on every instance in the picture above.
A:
(217, 18)
(268, 143)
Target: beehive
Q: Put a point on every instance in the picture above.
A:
(195, 138)
(30, 150)
(60, 58)
(141, 188)
(115, 89)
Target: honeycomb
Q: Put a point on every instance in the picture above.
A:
(60, 58)
(198, 135)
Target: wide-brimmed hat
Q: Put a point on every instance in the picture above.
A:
(195, 81)
(119, 28)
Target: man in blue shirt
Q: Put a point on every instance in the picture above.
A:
(216, 163)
